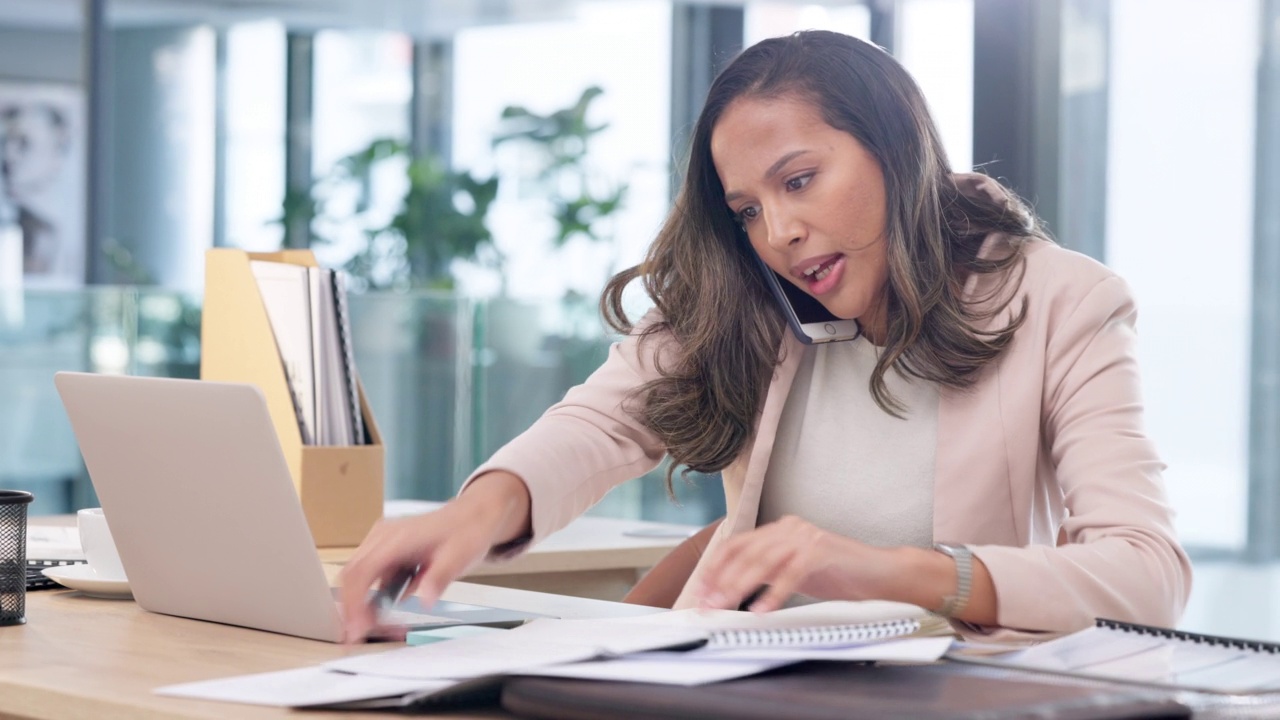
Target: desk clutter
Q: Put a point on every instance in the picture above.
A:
(36, 577)
(50, 546)
(678, 648)
(1154, 657)
(846, 660)
(81, 558)
(279, 321)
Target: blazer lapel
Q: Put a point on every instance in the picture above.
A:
(972, 493)
(973, 490)
(743, 516)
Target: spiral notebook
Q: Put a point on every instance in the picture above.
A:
(36, 579)
(814, 636)
(1151, 656)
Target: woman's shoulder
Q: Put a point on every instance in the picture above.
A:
(1048, 265)
(1053, 281)
(1056, 273)
(1045, 263)
(1048, 262)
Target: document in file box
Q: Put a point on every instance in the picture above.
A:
(307, 310)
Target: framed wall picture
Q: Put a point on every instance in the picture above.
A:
(42, 180)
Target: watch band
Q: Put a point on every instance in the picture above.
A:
(952, 604)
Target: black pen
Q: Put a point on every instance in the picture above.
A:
(390, 593)
(750, 600)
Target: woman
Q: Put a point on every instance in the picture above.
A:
(991, 405)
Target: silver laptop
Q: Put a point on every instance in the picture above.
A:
(202, 508)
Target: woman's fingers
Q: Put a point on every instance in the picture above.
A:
(387, 550)
(442, 545)
(778, 557)
(782, 587)
(746, 563)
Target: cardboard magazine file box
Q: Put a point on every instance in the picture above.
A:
(341, 487)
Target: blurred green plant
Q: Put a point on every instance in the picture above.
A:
(580, 200)
(441, 218)
(442, 215)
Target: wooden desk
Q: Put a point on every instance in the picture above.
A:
(590, 558)
(79, 657)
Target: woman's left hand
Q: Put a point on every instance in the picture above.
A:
(791, 556)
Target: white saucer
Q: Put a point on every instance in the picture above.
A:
(83, 578)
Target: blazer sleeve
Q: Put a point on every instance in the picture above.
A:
(587, 443)
(1121, 559)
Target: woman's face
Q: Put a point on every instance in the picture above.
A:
(811, 199)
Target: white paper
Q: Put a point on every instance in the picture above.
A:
(661, 668)
(608, 636)
(53, 543)
(406, 508)
(830, 612)
(1083, 649)
(914, 650)
(285, 292)
(461, 658)
(1107, 653)
(307, 686)
(536, 644)
(333, 406)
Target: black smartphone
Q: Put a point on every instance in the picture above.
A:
(809, 320)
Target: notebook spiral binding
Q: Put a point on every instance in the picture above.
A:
(35, 579)
(1216, 640)
(343, 312)
(812, 636)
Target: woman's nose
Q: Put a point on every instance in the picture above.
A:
(783, 229)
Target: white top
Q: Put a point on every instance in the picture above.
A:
(846, 465)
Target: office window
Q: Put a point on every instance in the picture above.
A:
(772, 19)
(254, 143)
(935, 44)
(542, 333)
(1180, 230)
(624, 48)
(363, 83)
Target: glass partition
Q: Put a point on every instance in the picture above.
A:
(107, 329)
(449, 379)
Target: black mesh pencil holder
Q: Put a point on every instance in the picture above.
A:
(13, 556)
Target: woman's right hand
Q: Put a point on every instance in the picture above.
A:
(493, 509)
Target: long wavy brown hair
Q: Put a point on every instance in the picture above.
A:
(702, 275)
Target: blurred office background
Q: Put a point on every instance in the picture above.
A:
(544, 137)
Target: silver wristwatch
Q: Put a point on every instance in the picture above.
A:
(952, 604)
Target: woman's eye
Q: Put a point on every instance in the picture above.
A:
(747, 214)
(798, 183)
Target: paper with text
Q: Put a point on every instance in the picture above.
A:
(46, 542)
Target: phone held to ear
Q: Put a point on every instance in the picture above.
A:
(809, 320)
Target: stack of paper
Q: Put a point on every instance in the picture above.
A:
(649, 649)
(307, 308)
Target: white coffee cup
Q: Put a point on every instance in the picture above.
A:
(99, 548)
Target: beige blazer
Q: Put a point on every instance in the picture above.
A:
(1050, 438)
